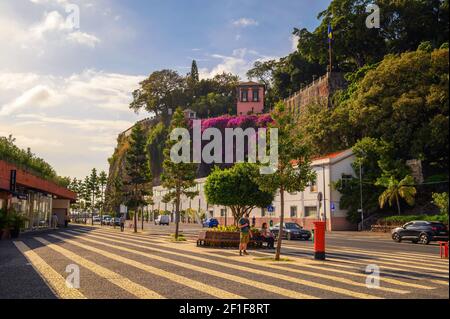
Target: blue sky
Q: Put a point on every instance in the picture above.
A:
(64, 89)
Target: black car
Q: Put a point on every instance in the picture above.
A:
(291, 231)
(421, 232)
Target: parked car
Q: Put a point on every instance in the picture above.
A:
(421, 232)
(106, 219)
(291, 231)
(115, 221)
(211, 223)
(97, 219)
(162, 220)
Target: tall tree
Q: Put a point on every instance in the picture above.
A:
(102, 181)
(236, 188)
(161, 92)
(94, 191)
(137, 167)
(291, 152)
(178, 178)
(194, 72)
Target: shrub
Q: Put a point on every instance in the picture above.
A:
(401, 220)
(441, 201)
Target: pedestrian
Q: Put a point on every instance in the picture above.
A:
(267, 236)
(122, 223)
(253, 221)
(244, 226)
(66, 221)
(55, 221)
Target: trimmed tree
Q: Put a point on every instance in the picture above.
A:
(293, 171)
(178, 177)
(102, 181)
(137, 167)
(236, 188)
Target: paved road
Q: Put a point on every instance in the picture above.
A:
(148, 265)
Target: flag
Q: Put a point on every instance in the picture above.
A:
(330, 33)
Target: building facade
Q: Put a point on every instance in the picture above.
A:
(35, 198)
(301, 207)
(250, 98)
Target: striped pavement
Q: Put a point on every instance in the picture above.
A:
(125, 265)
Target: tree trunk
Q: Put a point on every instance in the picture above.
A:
(398, 205)
(142, 215)
(177, 215)
(280, 233)
(135, 220)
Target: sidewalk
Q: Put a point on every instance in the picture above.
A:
(18, 279)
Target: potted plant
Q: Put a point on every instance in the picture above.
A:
(16, 223)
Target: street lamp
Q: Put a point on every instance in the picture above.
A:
(361, 196)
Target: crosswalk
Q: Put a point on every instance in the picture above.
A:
(124, 265)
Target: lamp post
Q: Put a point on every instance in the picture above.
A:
(361, 196)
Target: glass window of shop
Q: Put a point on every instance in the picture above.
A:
(36, 208)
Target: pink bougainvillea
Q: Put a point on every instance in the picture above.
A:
(242, 121)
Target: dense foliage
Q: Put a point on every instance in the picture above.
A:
(28, 161)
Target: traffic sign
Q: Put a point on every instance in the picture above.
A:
(270, 209)
(333, 207)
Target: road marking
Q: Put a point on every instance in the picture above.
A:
(116, 279)
(238, 279)
(55, 281)
(378, 260)
(182, 280)
(253, 271)
(272, 266)
(337, 262)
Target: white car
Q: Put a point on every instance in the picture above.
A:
(162, 220)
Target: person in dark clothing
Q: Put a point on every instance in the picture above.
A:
(267, 236)
(253, 221)
(122, 223)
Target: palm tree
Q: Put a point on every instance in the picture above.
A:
(395, 190)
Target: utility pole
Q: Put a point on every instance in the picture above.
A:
(361, 195)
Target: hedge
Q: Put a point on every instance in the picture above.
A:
(400, 220)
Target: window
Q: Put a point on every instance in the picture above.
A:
(255, 95)
(223, 212)
(244, 95)
(310, 211)
(313, 187)
(293, 211)
(211, 213)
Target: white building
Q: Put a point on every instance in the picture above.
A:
(301, 207)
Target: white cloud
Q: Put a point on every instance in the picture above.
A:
(38, 96)
(294, 42)
(240, 61)
(83, 38)
(245, 22)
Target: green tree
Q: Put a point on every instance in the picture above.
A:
(137, 167)
(116, 194)
(178, 178)
(291, 152)
(102, 181)
(441, 201)
(194, 72)
(161, 92)
(395, 190)
(93, 189)
(236, 188)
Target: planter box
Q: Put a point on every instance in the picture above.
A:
(222, 239)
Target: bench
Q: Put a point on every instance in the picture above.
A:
(224, 239)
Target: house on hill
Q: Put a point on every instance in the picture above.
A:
(250, 98)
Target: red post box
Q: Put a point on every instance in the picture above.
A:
(319, 240)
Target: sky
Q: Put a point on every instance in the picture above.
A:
(68, 67)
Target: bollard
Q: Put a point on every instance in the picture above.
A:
(319, 240)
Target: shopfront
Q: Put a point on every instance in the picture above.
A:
(34, 198)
